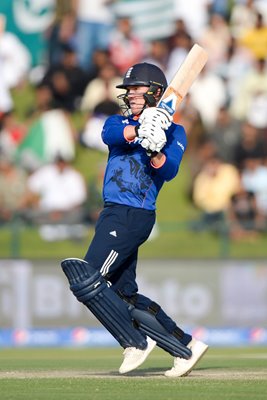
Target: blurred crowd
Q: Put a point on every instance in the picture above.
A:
(89, 47)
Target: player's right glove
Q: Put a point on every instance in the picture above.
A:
(156, 116)
(153, 137)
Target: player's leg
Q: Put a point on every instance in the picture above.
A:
(120, 271)
(90, 288)
(89, 282)
(183, 367)
(119, 232)
(153, 321)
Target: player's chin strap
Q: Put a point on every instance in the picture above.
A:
(151, 99)
(147, 322)
(151, 96)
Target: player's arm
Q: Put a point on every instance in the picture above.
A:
(167, 161)
(130, 133)
(116, 133)
(158, 160)
(113, 131)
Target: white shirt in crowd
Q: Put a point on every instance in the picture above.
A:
(58, 190)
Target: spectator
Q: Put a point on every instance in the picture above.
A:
(66, 80)
(101, 88)
(60, 34)
(182, 42)
(12, 133)
(91, 134)
(243, 17)
(100, 58)
(215, 38)
(61, 91)
(252, 93)
(157, 53)
(195, 14)
(255, 39)
(49, 133)
(237, 62)
(43, 97)
(198, 156)
(126, 48)
(57, 193)
(215, 97)
(94, 26)
(213, 189)
(13, 188)
(226, 135)
(221, 7)
(6, 100)
(243, 216)
(180, 28)
(189, 117)
(254, 179)
(201, 150)
(251, 145)
(15, 57)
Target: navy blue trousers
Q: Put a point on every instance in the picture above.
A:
(119, 232)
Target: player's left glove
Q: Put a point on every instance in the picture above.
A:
(153, 137)
(156, 116)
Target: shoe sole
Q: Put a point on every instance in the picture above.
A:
(149, 348)
(192, 366)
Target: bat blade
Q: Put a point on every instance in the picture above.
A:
(183, 79)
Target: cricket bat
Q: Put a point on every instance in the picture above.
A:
(183, 80)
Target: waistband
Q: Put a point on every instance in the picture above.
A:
(110, 204)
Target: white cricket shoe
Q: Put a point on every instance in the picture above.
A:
(134, 357)
(183, 367)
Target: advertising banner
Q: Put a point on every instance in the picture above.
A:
(35, 294)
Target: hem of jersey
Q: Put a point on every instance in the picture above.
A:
(112, 204)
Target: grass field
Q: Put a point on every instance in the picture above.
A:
(77, 374)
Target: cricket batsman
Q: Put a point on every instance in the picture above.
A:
(145, 151)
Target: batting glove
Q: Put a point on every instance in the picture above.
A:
(153, 137)
(156, 116)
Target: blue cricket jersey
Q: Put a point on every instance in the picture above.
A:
(130, 179)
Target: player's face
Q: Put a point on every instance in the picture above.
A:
(136, 99)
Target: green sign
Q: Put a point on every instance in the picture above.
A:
(28, 20)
